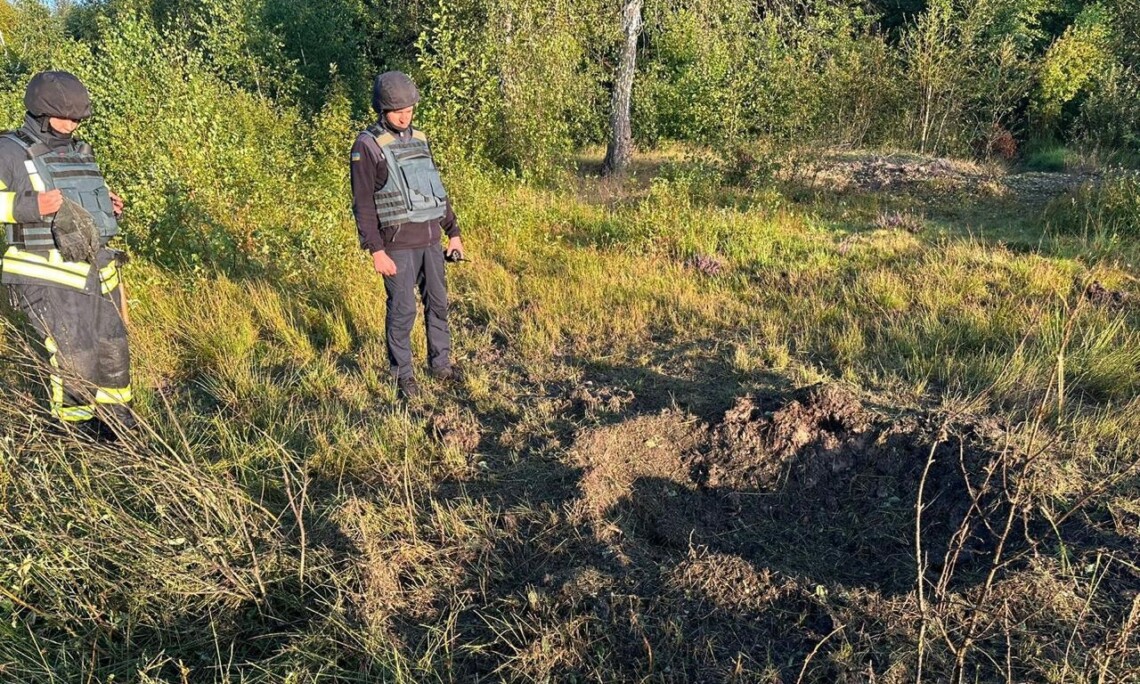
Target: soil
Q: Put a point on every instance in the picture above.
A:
(872, 172)
(731, 546)
(1101, 296)
(784, 477)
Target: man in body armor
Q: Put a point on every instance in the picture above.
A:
(401, 211)
(58, 217)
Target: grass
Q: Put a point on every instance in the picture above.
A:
(1049, 158)
(288, 520)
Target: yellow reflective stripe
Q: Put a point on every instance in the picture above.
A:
(7, 206)
(56, 380)
(34, 176)
(110, 285)
(56, 390)
(51, 268)
(53, 259)
(74, 414)
(419, 136)
(3, 185)
(49, 274)
(109, 277)
(385, 139)
(110, 395)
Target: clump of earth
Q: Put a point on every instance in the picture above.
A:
(817, 482)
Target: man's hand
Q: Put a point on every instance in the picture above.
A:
(49, 202)
(383, 263)
(454, 245)
(116, 204)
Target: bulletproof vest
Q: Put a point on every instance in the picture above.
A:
(414, 192)
(74, 173)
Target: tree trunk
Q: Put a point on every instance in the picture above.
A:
(620, 148)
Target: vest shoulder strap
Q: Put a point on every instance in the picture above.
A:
(384, 138)
(33, 147)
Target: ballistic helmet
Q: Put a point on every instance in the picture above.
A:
(57, 94)
(393, 90)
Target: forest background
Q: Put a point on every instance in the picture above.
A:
(285, 519)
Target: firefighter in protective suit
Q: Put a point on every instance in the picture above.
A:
(59, 217)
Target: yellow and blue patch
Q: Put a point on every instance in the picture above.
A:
(355, 156)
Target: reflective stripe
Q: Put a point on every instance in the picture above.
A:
(54, 269)
(110, 395)
(7, 206)
(71, 414)
(109, 277)
(52, 275)
(51, 268)
(74, 414)
(418, 135)
(34, 176)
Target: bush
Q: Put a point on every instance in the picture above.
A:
(804, 70)
(969, 68)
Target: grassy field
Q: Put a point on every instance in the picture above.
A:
(718, 423)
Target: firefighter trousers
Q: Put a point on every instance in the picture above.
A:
(86, 343)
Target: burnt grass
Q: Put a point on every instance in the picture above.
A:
(771, 541)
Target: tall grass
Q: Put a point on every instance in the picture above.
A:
(280, 519)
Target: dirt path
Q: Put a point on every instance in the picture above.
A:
(907, 172)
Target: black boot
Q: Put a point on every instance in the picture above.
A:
(407, 387)
(119, 420)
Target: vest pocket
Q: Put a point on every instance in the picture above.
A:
(98, 202)
(424, 191)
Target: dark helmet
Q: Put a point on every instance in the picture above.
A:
(393, 90)
(57, 94)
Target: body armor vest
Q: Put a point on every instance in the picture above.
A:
(74, 173)
(414, 192)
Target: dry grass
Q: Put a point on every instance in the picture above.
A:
(287, 520)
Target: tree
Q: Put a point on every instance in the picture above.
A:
(620, 148)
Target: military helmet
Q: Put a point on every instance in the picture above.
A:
(393, 90)
(57, 94)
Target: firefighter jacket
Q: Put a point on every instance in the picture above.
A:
(30, 163)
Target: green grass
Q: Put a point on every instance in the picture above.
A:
(1049, 158)
(289, 520)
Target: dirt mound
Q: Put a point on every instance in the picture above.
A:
(899, 172)
(615, 457)
(1101, 296)
(873, 172)
(759, 437)
(457, 429)
(817, 482)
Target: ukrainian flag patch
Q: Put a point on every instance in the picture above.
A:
(355, 156)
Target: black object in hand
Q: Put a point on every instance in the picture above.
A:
(454, 256)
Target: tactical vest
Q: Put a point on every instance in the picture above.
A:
(414, 192)
(74, 173)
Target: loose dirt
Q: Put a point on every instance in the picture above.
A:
(900, 172)
(817, 483)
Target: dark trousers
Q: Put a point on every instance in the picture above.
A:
(86, 343)
(420, 269)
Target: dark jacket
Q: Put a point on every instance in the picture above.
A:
(369, 174)
(14, 180)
